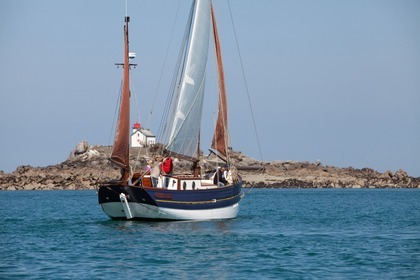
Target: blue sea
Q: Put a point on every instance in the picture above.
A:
(279, 234)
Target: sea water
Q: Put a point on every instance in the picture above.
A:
(279, 234)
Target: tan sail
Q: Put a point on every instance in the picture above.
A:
(220, 137)
(120, 152)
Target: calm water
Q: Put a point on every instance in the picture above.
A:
(279, 234)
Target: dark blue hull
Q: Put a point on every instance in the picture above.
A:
(145, 202)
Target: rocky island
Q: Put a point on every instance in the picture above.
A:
(87, 166)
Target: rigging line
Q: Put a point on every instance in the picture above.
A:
(247, 92)
(133, 93)
(246, 83)
(113, 126)
(176, 83)
(164, 65)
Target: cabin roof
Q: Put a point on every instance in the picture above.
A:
(146, 132)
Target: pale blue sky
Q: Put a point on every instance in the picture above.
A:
(335, 81)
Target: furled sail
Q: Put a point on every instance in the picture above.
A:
(184, 118)
(220, 137)
(120, 152)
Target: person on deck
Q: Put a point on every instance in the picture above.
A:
(219, 178)
(149, 166)
(155, 171)
(167, 167)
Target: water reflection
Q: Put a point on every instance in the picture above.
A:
(212, 226)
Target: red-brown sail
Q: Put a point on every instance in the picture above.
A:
(120, 152)
(220, 137)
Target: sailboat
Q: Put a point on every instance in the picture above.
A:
(192, 196)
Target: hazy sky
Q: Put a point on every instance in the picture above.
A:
(335, 81)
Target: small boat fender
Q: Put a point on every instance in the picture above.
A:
(125, 206)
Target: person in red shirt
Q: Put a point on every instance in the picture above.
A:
(167, 167)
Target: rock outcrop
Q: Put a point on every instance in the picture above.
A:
(309, 175)
(87, 166)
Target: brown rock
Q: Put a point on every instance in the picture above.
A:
(88, 165)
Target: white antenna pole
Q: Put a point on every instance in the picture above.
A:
(126, 8)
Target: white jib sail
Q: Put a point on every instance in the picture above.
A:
(187, 106)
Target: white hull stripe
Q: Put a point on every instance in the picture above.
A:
(144, 211)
